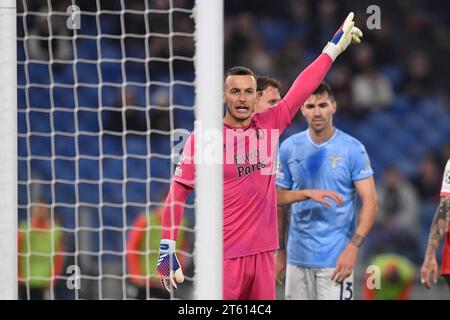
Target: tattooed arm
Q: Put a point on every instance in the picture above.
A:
(437, 234)
(347, 259)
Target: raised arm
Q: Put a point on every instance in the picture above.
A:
(310, 78)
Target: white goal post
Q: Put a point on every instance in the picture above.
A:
(209, 65)
(56, 83)
(8, 155)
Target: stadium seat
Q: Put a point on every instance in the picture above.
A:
(87, 72)
(113, 168)
(40, 122)
(39, 73)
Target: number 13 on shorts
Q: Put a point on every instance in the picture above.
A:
(346, 289)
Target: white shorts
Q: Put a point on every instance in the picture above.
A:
(316, 284)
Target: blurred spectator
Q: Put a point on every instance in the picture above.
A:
(134, 26)
(418, 81)
(158, 16)
(397, 227)
(257, 58)
(127, 116)
(239, 37)
(383, 45)
(428, 180)
(160, 109)
(142, 255)
(45, 48)
(371, 90)
(132, 119)
(340, 79)
(325, 24)
(396, 278)
(299, 10)
(39, 242)
(443, 156)
(290, 59)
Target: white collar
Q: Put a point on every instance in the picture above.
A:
(323, 143)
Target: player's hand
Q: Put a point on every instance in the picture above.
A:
(280, 265)
(429, 268)
(345, 263)
(345, 35)
(168, 265)
(321, 195)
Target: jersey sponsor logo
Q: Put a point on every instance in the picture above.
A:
(247, 169)
(243, 166)
(334, 161)
(178, 172)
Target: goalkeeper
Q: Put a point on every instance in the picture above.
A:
(249, 194)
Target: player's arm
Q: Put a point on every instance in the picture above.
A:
(286, 197)
(168, 264)
(437, 233)
(347, 260)
(310, 78)
(283, 217)
(367, 192)
(284, 183)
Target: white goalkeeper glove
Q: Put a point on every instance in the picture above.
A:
(346, 34)
(168, 265)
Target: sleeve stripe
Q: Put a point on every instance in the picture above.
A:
(283, 185)
(358, 178)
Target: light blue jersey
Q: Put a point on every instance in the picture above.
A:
(317, 233)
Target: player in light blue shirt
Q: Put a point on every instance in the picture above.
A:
(323, 241)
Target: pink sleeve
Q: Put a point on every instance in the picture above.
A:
(173, 210)
(306, 83)
(301, 89)
(185, 170)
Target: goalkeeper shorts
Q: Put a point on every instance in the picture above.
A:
(250, 277)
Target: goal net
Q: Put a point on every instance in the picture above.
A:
(106, 94)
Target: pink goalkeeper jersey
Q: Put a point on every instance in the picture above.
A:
(249, 191)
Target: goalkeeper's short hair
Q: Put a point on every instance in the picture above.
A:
(239, 71)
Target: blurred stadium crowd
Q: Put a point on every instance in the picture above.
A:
(78, 121)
